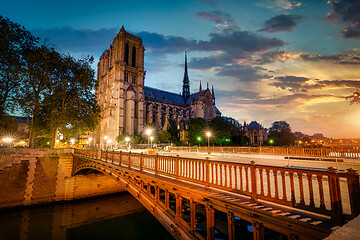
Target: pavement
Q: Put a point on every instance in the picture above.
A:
(350, 231)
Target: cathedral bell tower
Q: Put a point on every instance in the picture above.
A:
(120, 92)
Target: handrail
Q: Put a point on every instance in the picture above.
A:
(289, 151)
(328, 192)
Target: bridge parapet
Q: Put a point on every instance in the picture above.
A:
(331, 193)
(288, 151)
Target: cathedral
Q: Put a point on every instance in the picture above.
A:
(128, 105)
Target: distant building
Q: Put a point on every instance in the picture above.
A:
(255, 132)
(128, 105)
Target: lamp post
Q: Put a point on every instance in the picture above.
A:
(72, 141)
(208, 134)
(199, 139)
(89, 141)
(105, 138)
(109, 141)
(127, 140)
(148, 132)
(151, 139)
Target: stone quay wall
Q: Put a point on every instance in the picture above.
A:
(39, 176)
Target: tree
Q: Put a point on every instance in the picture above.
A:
(13, 40)
(280, 133)
(71, 100)
(164, 136)
(355, 97)
(39, 72)
(197, 128)
(221, 130)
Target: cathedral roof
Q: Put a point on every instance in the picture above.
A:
(162, 95)
(255, 125)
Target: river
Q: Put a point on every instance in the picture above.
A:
(112, 217)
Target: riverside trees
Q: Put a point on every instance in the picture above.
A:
(55, 90)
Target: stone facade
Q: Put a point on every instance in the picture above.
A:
(128, 105)
(255, 132)
(36, 176)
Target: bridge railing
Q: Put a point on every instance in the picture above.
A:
(291, 151)
(328, 192)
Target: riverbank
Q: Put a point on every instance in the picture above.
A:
(36, 176)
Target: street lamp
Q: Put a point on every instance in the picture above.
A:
(127, 140)
(148, 132)
(72, 141)
(89, 142)
(199, 140)
(109, 141)
(7, 140)
(105, 138)
(151, 139)
(208, 134)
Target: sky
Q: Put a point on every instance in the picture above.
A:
(268, 60)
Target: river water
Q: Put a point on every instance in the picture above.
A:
(113, 217)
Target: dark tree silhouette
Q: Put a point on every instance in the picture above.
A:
(280, 133)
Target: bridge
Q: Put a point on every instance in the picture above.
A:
(206, 199)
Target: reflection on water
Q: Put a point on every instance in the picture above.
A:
(114, 217)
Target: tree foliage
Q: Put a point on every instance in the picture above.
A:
(224, 131)
(55, 90)
(14, 39)
(71, 101)
(196, 127)
(280, 133)
(355, 97)
(164, 136)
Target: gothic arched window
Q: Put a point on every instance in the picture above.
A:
(126, 76)
(133, 59)
(126, 54)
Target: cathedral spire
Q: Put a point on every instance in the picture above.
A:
(186, 85)
(200, 88)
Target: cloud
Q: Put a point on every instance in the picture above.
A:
(221, 19)
(243, 42)
(88, 41)
(237, 94)
(344, 58)
(282, 22)
(346, 11)
(298, 98)
(273, 56)
(279, 4)
(243, 73)
(96, 41)
(302, 84)
(160, 43)
(293, 83)
(215, 60)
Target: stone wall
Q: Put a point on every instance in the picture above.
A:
(39, 179)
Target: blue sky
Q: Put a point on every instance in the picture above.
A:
(268, 60)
